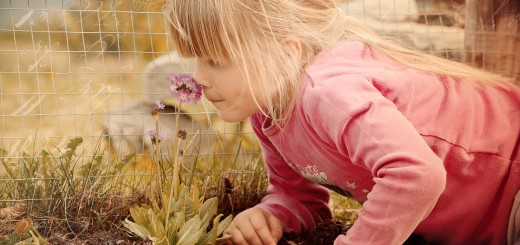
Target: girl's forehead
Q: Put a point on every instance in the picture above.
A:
(212, 29)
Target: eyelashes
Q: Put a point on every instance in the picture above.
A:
(213, 63)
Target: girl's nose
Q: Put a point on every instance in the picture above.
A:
(201, 79)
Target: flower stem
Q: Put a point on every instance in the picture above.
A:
(176, 167)
(174, 188)
(157, 161)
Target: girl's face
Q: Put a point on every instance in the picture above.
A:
(226, 88)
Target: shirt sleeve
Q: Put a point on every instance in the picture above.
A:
(350, 112)
(300, 204)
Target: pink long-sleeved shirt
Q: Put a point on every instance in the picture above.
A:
(424, 154)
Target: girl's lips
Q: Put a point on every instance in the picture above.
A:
(217, 103)
(214, 100)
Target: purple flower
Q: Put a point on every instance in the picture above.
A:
(157, 108)
(183, 96)
(153, 137)
(185, 88)
(163, 136)
(159, 104)
(154, 134)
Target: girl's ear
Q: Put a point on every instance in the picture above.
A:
(294, 46)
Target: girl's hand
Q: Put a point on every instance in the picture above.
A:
(254, 226)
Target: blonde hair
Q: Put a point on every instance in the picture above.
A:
(252, 33)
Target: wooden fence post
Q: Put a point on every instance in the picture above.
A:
(492, 38)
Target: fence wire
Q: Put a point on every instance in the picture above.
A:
(94, 68)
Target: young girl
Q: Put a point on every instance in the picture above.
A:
(428, 146)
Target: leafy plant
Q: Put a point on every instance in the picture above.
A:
(181, 217)
(188, 223)
(24, 233)
(64, 190)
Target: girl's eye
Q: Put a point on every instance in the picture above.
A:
(212, 63)
(215, 63)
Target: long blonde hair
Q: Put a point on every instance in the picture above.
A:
(252, 33)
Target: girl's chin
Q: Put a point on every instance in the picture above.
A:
(232, 116)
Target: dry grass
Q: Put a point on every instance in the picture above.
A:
(81, 196)
(50, 96)
(62, 70)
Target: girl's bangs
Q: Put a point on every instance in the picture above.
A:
(197, 28)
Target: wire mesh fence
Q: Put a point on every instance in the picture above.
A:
(85, 68)
(78, 80)
(93, 69)
(64, 69)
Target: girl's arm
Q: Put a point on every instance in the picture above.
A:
(368, 128)
(300, 204)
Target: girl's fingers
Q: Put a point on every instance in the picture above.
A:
(254, 227)
(236, 238)
(263, 231)
(245, 234)
(275, 227)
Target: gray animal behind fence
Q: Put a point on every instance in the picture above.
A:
(127, 126)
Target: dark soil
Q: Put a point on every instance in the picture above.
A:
(326, 233)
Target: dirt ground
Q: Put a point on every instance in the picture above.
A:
(327, 232)
(324, 234)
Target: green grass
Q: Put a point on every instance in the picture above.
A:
(78, 193)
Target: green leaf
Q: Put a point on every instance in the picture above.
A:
(28, 241)
(91, 168)
(3, 158)
(166, 202)
(163, 241)
(189, 231)
(224, 224)
(208, 211)
(214, 230)
(155, 206)
(209, 208)
(138, 230)
(179, 205)
(188, 205)
(180, 218)
(139, 214)
(173, 227)
(35, 240)
(124, 162)
(11, 239)
(159, 241)
(74, 143)
(155, 227)
(153, 239)
(196, 198)
(194, 238)
(212, 234)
